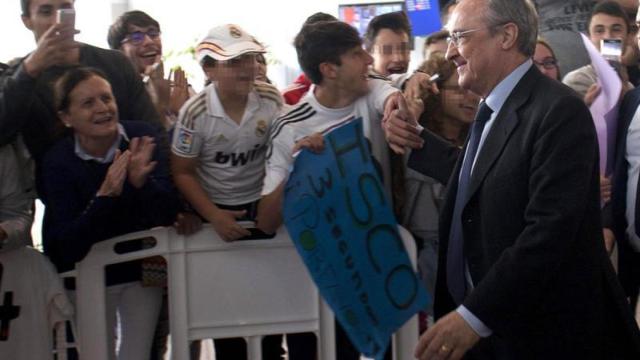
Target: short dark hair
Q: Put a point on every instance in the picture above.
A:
(208, 61)
(319, 16)
(396, 21)
(120, 28)
(72, 75)
(610, 8)
(24, 6)
(324, 41)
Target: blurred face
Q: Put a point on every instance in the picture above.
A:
(605, 26)
(143, 46)
(352, 74)
(475, 52)
(234, 76)
(436, 47)
(92, 111)
(546, 63)
(42, 15)
(458, 104)
(390, 52)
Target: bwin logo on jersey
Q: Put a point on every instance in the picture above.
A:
(240, 159)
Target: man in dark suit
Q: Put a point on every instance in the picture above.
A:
(523, 272)
(624, 204)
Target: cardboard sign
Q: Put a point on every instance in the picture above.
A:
(343, 227)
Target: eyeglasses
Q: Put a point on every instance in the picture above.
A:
(548, 63)
(455, 36)
(137, 37)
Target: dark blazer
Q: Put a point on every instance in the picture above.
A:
(629, 259)
(542, 279)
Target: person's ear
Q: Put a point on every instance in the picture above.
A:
(65, 118)
(328, 70)
(208, 72)
(28, 23)
(510, 33)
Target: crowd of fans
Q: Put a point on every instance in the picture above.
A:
(112, 142)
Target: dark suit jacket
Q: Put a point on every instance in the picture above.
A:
(629, 259)
(532, 234)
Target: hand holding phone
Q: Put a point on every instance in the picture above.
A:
(55, 46)
(66, 17)
(611, 49)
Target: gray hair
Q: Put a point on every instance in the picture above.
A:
(520, 12)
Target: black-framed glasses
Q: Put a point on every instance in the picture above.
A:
(137, 37)
(548, 63)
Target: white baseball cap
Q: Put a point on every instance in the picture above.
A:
(226, 42)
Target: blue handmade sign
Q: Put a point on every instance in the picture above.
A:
(337, 214)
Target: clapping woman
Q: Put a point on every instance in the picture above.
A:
(105, 178)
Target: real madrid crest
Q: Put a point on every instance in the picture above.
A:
(261, 128)
(235, 32)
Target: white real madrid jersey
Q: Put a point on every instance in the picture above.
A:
(309, 117)
(231, 156)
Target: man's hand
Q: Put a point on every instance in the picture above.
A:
(140, 164)
(224, 223)
(313, 142)
(54, 47)
(400, 127)
(609, 239)
(418, 86)
(592, 94)
(605, 188)
(179, 90)
(449, 338)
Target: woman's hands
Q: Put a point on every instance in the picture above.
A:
(133, 165)
(140, 164)
(117, 173)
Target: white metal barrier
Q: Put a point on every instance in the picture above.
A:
(267, 290)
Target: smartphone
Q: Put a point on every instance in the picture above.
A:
(66, 16)
(611, 49)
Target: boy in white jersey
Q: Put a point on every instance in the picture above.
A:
(219, 144)
(330, 53)
(219, 141)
